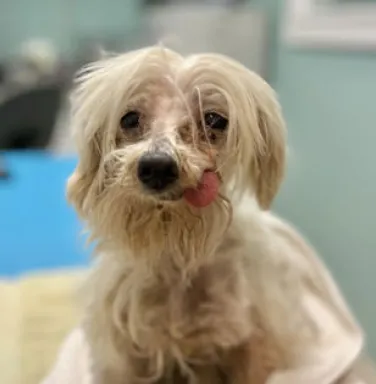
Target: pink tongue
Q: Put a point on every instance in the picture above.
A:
(205, 193)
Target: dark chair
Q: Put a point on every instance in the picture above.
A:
(27, 119)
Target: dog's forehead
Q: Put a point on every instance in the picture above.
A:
(161, 98)
(158, 74)
(163, 86)
(168, 103)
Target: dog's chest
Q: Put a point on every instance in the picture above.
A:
(199, 317)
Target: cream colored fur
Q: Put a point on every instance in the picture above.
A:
(222, 294)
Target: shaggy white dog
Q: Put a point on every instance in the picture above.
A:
(189, 285)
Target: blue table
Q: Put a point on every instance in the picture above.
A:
(38, 230)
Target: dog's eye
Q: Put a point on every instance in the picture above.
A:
(130, 120)
(215, 121)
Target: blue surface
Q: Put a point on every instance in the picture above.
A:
(38, 230)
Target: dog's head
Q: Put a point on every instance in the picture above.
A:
(152, 126)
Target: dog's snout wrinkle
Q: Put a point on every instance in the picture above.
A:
(157, 170)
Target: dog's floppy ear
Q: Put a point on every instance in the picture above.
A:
(267, 164)
(87, 118)
(83, 183)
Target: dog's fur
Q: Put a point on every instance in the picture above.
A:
(182, 294)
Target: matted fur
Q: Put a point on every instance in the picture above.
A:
(183, 294)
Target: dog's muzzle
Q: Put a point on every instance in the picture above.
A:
(157, 171)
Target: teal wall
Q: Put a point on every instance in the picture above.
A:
(64, 22)
(329, 100)
(329, 103)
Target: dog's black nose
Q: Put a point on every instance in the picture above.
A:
(157, 170)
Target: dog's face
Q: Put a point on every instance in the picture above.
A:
(164, 139)
(149, 124)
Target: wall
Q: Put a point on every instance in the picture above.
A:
(329, 104)
(64, 22)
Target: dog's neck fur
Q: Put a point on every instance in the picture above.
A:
(182, 292)
(162, 281)
(171, 241)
